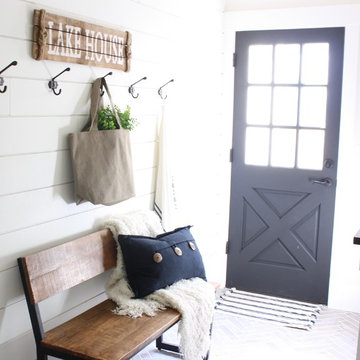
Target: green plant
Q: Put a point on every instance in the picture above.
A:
(107, 119)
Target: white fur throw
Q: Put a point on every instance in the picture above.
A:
(193, 298)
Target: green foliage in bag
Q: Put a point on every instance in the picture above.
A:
(107, 119)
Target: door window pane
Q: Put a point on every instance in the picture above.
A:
(311, 149)
(278, 107)
(260, 64)
(313, 102)
(315, 63)
(283, 147)
(285, 106)
(258, 105)
(287, 63)
(257, 146)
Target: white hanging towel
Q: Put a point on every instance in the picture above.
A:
(166, 203)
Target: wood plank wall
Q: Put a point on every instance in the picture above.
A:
(37, 208)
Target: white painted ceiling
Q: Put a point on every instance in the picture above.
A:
(236, 5)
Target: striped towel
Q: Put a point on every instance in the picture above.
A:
(285, 312)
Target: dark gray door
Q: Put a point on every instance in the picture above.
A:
(285, 144)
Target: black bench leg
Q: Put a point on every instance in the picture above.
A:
(208, 353)
(163, 346)
(207, 356)
(41, 355)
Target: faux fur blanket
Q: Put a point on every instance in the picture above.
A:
(193, 298)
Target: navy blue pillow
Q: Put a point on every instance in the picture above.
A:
(153, 263)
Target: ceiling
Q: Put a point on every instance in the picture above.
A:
(236, 5)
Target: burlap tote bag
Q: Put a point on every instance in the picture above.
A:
(101, 159)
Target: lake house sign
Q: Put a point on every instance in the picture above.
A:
(63, 39)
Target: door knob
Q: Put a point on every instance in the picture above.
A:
(323, 181)
(329, 163)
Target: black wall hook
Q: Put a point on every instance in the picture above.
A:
(14, 63)
(132, 89)
(161, 87)
(54, 84)
(102, 92)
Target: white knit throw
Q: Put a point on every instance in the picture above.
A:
(193, 298)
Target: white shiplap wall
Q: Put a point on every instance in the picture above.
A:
(37, 208)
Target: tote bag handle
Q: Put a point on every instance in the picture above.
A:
(96, 101)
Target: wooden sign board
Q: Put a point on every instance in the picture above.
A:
(63, 39)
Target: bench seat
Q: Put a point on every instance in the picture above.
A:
(100, 334)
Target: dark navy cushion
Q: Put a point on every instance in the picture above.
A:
(153, 263)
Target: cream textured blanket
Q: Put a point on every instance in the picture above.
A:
(193, 298)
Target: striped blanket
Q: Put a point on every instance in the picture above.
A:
(278, 310)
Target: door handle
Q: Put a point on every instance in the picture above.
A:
(324, 181)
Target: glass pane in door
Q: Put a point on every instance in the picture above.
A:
(287, 63)
(285, 106)
(315, 63)
(257, 146)
(313, 101)
(283, 147)
(260, 64)
(258, 109)
(311, 149)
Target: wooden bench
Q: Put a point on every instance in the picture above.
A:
(97, 333)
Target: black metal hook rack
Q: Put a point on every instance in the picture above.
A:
(160, 91)
(13, 63)
(54, 84)
(132, 89)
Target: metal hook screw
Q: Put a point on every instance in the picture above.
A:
(161, 87)
(102, 92)
(54, 84)
(132, 89)
(14, 63)
(1, 84)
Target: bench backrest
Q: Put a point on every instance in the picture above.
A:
(61, 267)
